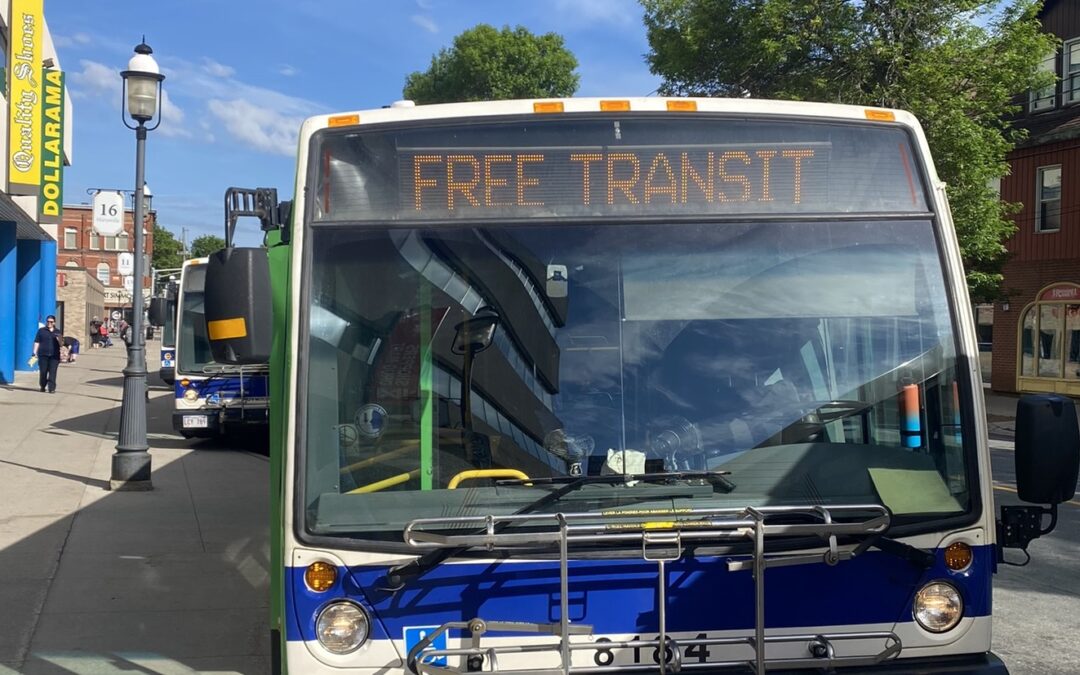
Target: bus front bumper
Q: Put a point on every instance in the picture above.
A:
(967, 664)
(168, 375)
(214, 421)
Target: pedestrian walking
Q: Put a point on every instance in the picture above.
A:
(47, 344)
(103, 336)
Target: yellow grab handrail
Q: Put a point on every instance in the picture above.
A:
(485, 473)
(385, 483)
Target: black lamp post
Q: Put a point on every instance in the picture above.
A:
(131, 461)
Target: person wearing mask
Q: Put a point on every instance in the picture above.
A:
(47, 353)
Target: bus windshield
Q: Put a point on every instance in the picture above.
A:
(193, 348)
(779, 352)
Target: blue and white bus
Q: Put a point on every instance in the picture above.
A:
(211, 398)
(623, 386)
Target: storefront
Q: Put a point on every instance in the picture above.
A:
(1048, 343)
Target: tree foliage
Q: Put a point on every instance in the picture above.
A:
(168, 251)
(205, 245)
(489, 64)
(956, 64)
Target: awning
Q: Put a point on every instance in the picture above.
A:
(25, 228)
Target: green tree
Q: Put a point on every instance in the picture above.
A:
(956, 64)
(489, 64)
(205, 245)
(168, 251)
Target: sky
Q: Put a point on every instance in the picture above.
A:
(241, 75)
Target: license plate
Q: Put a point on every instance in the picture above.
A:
(195, 422)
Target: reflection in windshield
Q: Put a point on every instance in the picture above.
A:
(193, 348)
(815, 361)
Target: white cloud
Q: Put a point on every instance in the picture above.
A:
(257, 125)
(218, 69)
(287, 70)
(425, 22)
(618, 12)
(65, 41)
(424, 4)
(96, 80)
(172, 118)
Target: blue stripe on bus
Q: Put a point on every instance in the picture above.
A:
(619, 596)
(228, 386)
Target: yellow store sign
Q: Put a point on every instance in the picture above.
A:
(25, 36)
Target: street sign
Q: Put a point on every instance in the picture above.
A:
(129, 283)
(116, 315)
(125, 264)
(108, 213)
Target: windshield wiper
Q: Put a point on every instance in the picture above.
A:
(396, 576)
(914, 555)
(718, 479)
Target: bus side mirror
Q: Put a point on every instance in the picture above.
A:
(159, 311)
(238, 305)
(1047, 451)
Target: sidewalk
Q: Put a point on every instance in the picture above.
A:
(174, 580)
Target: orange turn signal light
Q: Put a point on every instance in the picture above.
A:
(320, 576)
(958, 556)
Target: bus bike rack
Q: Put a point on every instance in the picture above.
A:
(660, 543)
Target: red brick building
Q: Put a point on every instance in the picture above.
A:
(1036, 334)
(79, 246)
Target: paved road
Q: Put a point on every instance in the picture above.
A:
(1037, 607)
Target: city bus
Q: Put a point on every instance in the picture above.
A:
(636, 385)
(163, 315)
(211, 398)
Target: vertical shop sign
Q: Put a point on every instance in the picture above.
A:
(25, 35)
(51, 203)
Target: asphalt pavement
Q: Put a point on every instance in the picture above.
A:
(174, 580)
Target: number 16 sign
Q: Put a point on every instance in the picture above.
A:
(108, 213)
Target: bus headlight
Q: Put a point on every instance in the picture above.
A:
(938, 607)
(342, 627)
(191, 395)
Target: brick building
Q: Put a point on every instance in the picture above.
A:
(1036, 336)
(81, 247)
(79, 298)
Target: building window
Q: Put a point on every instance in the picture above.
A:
(71, 238)
(1048, 199)
(110, 243)
(122, 242)
(95, 242)
(104, 274)
(1044, 99)
(1070, 72)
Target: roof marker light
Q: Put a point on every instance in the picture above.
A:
(548, 107)
(682, 105)
(614, 106)
(343, 120)
(880, 115)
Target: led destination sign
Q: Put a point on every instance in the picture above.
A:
(631, 177)
(593, 168)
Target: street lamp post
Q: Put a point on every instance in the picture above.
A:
(131, 461)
